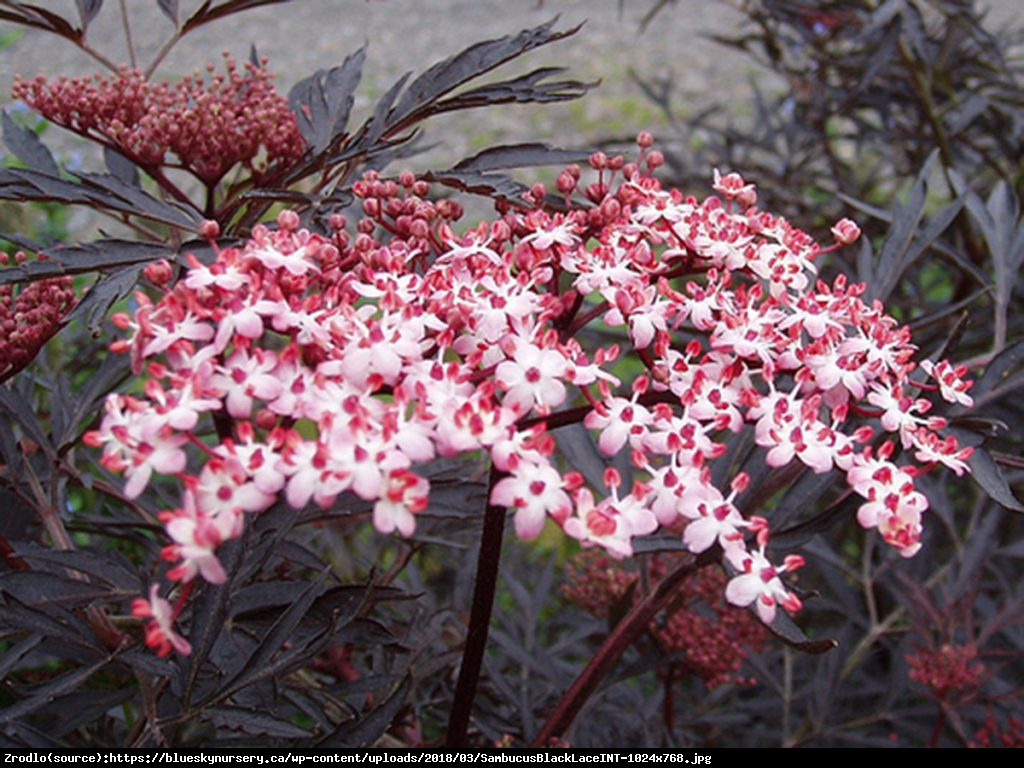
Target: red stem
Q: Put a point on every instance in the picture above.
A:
(608, 655)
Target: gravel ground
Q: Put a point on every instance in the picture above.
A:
(402, 35)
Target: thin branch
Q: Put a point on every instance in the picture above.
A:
(625, 633)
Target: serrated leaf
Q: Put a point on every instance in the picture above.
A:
(170, 9)
(986, 473)
(44, 694)
(509, 156)
(262, 662)
(525, 89)
(26, 146)
(473, 61)
(68, 628)
(40, 18)
(999, 370)
(365, 731)
(97, 190)
(21, 412)
(97, 302)
(208, 12)
(36, 588)
(87, 10)
(107, 254)
(210, 612)
(121, 168)
(323, 102)
(86, 708)
(108, 566)
(14, 654)
(254, 723)
(493, 185)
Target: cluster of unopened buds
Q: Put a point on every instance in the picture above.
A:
(708, 637)
(341, 364)
(205, 127)
(29, 316)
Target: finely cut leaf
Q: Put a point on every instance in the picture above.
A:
(991, 479)
(323, 102)
(170, 9)
(368, 729)
(44, 694)
(87, 10)
(26, 146)
(40, 18)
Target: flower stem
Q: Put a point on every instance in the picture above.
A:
(624, 634)
(479, 620)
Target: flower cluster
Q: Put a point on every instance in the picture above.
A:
(709, 637)
(947, 669)
(338, 365)
(30, 316)
(991, 734)
(205, 127)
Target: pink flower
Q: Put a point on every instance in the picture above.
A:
(845, 232)
(160, 633)
(952, 385)
(532, 377)
(759, 582)
(534, 491)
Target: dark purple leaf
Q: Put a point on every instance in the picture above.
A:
(254, 723)
(519, 156)
(53, 623)
(109, 567)
(18, 410)
(210, 613)
(263, 662)
(375, 128)
(86, 707)
(121, 168)
(472, 62)
(96, 190)
(323, 102)
(986, 473)
(42, 695)
(498, 186)
(86, 403)
(370, 727)
(138, 202)
(40, 18)
(26, 146)
(107, 255)
(103, 295)
(521, 90)
(14, 654)
(37, 588)
(207, 12)
(997, 372)
(87, 10)
(170, 9)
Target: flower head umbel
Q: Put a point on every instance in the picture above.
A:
(205, 125)
(338, 366)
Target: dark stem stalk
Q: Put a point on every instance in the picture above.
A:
(479, 620)
(625, 634)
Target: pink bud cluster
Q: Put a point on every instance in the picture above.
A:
(991, 734)
(341, 364)
(709, 636)
(205, 127)
(947, 669)
(30, 316)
